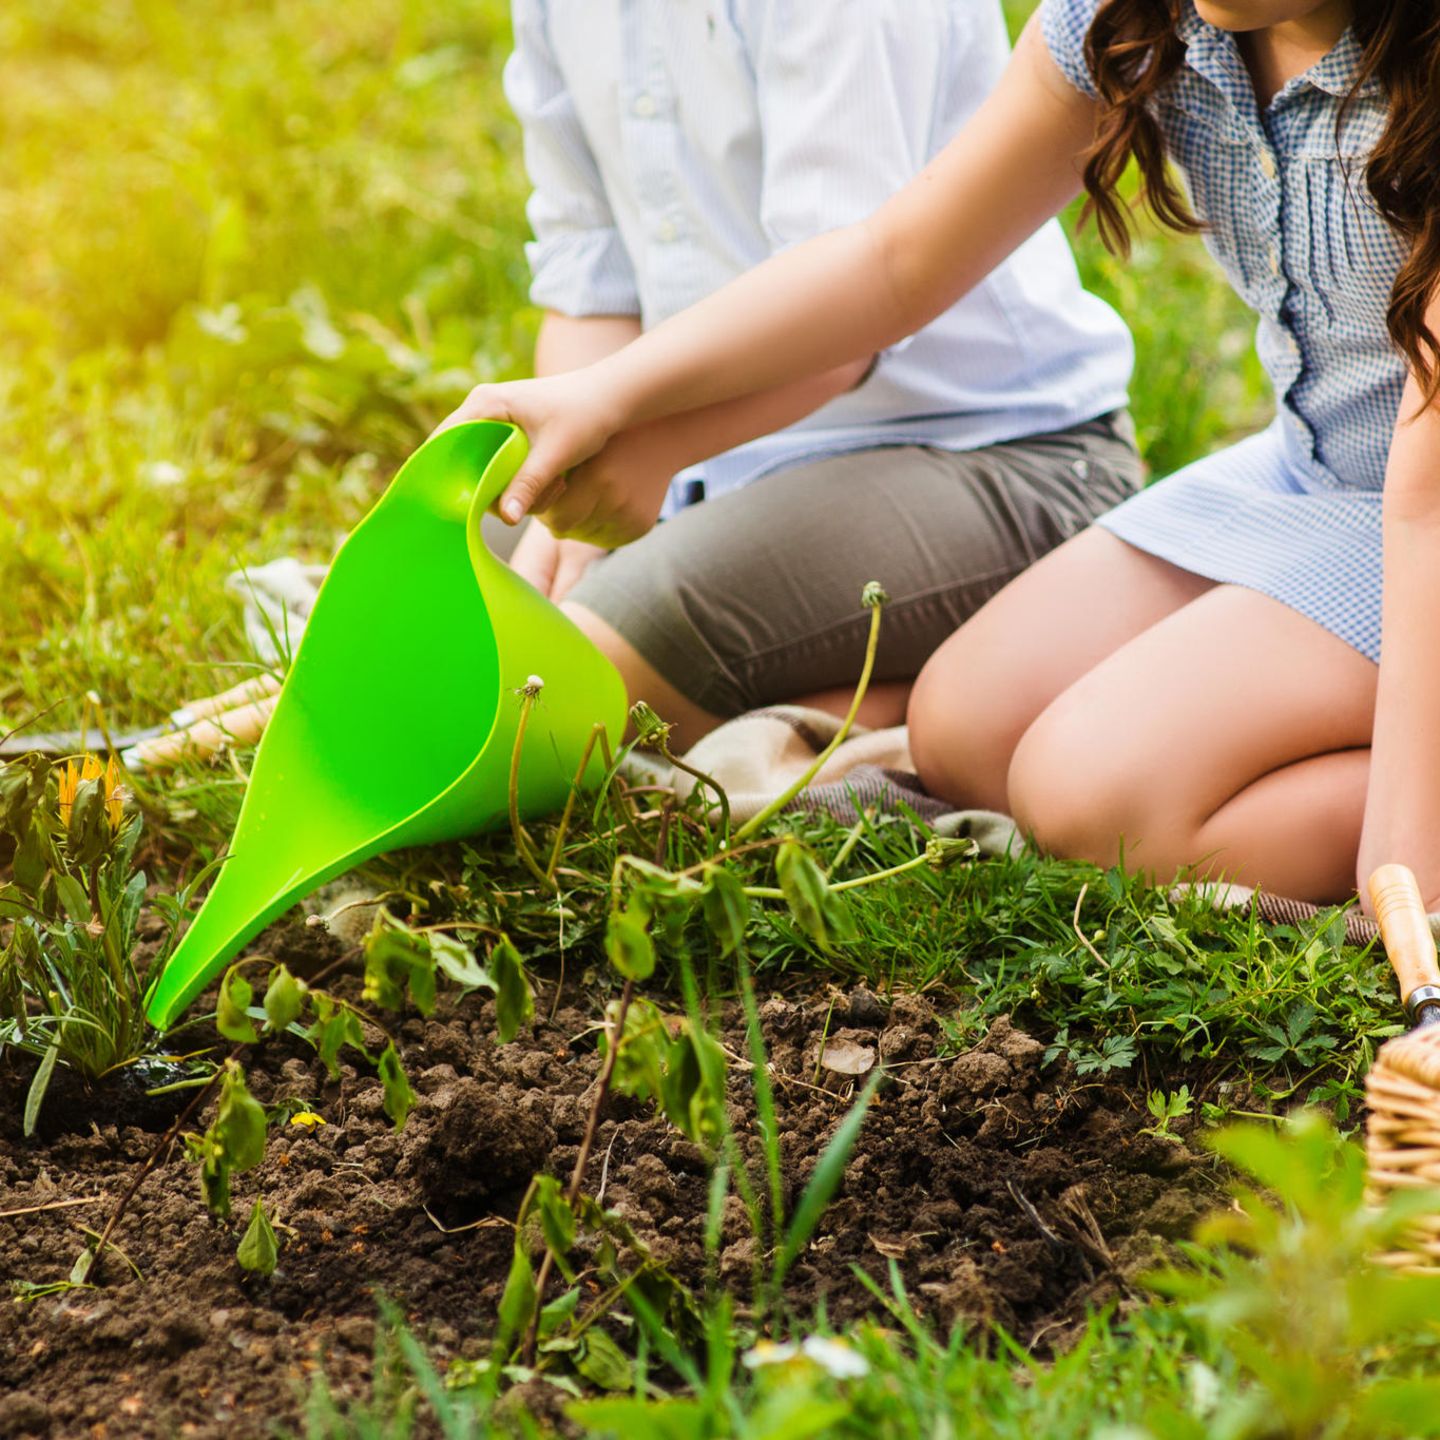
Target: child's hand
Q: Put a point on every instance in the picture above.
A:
(615, 496)
(552, 566)
(562, 420)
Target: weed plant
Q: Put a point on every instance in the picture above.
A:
(72, 982)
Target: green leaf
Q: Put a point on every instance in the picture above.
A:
(514, 1000)
(559, 1310)
(726, 908)
(640, 1065)
(1401, 1406)
(643, 1419)
(284, 1000)
(87, 837)
(399, 1097)
(334, 1027)
(457, 962)
(73, 898)
(628, 944)
(234, 1141)
(240, 1121)
(31, 863)
(604, 1363)
(557, 1219)
(517, 1304)
(231, 1019)
(396, 960)
(692, 1091)
(84, 1263)
(22, 788)
(806, 890)
(258, 1249)
(35, 1095)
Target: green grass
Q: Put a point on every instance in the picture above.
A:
(253, 254)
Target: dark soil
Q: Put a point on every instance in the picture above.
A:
(1005, 1190)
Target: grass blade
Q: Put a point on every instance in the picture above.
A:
(825, 1180)
(39, 1085)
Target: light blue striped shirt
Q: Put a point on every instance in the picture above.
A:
(674, 144)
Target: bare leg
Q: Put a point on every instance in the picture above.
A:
(884, 704)
(986, 684)
(1232, 735)
(644, 682)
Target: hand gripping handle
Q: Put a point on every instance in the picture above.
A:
(1405, 929)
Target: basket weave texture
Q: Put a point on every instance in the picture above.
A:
(1403, 1134)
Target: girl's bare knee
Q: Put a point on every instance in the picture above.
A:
(1066, 797)
(960, 751)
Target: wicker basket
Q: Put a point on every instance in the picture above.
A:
(1402, 1143)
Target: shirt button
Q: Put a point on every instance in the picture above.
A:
(1274, 260)
(1267, 164)
(645, 106)
(667, 231)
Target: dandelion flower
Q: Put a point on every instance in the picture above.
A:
(769, 1352)
(73, 776)
(835, 1357)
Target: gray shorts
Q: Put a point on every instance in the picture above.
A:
(753, 598)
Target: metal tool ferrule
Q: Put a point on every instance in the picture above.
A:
(1422, 1005)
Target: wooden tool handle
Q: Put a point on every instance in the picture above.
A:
(240, 726)
(257, 687)
(1404, 927)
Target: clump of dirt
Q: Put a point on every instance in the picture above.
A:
(1004, 1189)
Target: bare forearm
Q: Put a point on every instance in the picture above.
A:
(827, 304)
(570, 342)
(1402, 819)
(685, 439)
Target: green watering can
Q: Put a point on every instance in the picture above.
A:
(396, 723)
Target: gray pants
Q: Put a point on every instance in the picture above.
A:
(754, 597)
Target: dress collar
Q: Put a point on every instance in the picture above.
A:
(1213, 53)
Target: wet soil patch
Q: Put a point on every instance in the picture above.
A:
(1004, 1189)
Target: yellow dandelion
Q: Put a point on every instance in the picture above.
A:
(73, 776)
(114, 795)
(308, 1118)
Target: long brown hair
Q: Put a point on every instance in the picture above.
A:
(1134, 48)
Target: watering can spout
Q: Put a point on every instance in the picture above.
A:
(396, 723)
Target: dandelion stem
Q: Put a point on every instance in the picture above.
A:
(704, 780)
(517, 830)
(782, 800)
(768, 892)
(598, 736)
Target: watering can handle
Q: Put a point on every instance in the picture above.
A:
(1405, 929)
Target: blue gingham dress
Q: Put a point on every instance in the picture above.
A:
(1293, 512)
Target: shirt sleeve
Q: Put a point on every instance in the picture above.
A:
(1065, 24)
(578, 261)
